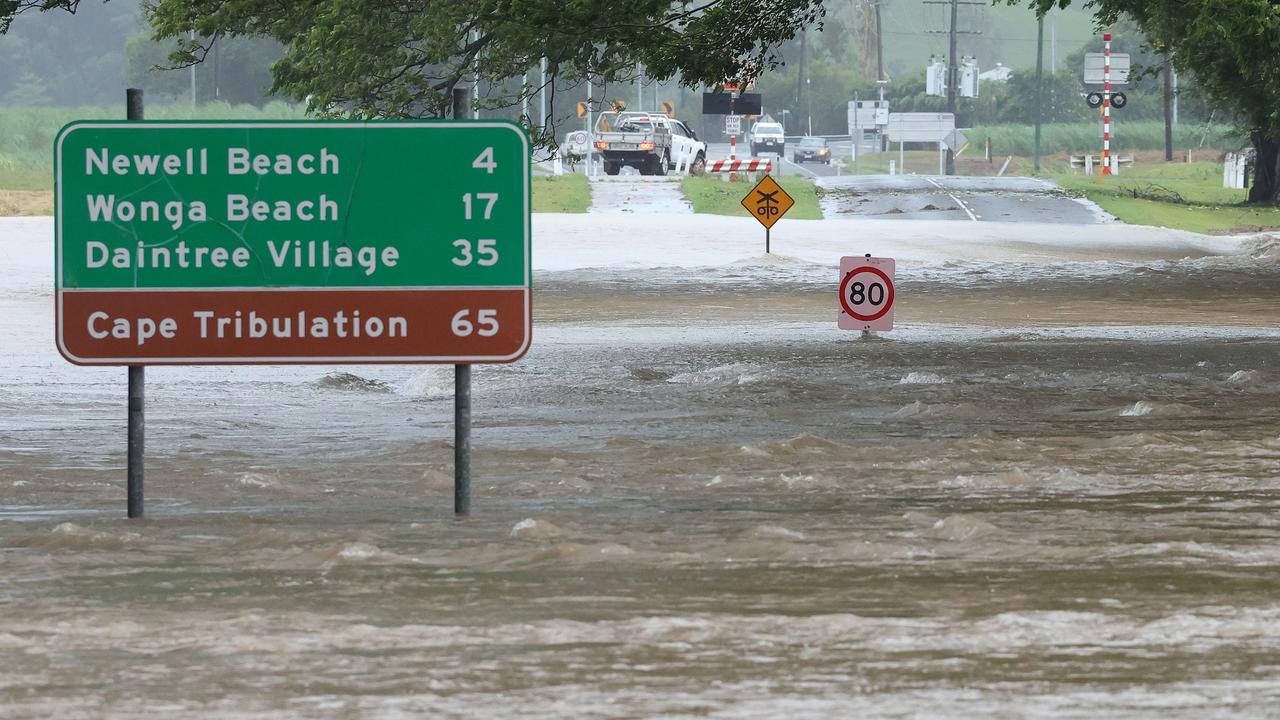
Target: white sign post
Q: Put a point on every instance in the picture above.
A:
(866, 293)
(732, 125)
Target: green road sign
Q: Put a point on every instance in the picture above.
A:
(348, 242)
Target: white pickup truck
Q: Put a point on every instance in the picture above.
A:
(649, 142)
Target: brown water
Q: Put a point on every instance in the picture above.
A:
(1053, 492)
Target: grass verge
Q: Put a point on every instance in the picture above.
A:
(25, 203)
(1184, 196)
(711, 194)
(564, 194)
(1204, 219)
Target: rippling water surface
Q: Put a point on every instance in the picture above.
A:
(1054, 491)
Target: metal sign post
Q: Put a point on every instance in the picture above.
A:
(462, 396)
(137, 374)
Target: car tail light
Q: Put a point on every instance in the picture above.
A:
(602, 145)
(646, 145)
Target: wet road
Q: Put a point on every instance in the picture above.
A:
(920, 197)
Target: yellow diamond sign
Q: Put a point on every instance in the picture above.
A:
(767, 202)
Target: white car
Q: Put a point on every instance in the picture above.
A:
(683, 140)
(649, 142)
(766, 137)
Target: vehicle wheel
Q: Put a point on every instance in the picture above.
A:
(754, 151)
(612, 168)
(699, 165)
(660, 165)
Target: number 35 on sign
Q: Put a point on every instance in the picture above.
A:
(866, 293)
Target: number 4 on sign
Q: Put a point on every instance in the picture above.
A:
(484, 161)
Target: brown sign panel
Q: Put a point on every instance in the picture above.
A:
(287, 326)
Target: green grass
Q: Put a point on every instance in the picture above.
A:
(1206, 219)
(1185, 196)
(564, 194)
(711, 194)
(12, 178)
(1195, 183)
(1085, 137)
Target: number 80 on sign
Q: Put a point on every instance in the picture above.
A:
(866, 294)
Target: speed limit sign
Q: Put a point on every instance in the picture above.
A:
(866, 293)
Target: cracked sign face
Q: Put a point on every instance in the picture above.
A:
(282, 242)
(767, 202)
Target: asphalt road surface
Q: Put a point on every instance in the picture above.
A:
(976, 199)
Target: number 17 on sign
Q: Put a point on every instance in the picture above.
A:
(866, 293)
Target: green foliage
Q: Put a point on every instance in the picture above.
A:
(1233, 49)
(1084, 137)
(238, 70)
(370, 59)
(63, 59)
(27, 132)
(28, 90)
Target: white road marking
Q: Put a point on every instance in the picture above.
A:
(956, 200)
(798, 167)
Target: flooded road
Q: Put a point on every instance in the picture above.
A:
(975, 199)
(1052, 492)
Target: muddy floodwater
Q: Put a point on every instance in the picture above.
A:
(1053, 491)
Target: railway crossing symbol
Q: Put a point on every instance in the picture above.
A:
(866, 293)
(767, 202)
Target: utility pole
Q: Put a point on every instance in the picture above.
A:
(800, 97)
(879, 44)
(1053, 42)
(1168, 109)
(1039, 83)
(953, 78)
(543, 101)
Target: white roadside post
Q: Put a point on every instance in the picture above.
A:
(591, 151)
